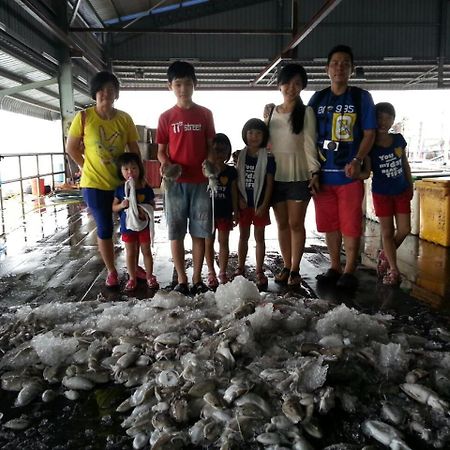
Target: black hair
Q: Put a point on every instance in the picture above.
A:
(100, 79)
(221, 138)
(181, 69)
(289, 71)
(340, 49)
(256, 124)
(128, 158)
(286, 74)
(385, 107)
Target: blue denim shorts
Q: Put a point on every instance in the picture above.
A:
(100, 206)
(188, 201)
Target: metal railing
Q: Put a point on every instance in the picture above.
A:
(17, 176)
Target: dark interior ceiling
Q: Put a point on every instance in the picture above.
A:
(234, 44)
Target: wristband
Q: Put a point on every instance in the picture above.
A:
(359, 160)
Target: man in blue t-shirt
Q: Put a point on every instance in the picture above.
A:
(346, 125)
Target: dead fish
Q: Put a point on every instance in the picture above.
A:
(210, 171)
(255, 399)
(384, 433)
(17, 424)
(171, 173)
(392, 413)
(426, 396)
(48, 395)
(244, 310)
(171, 338)
(127, 359)
(72, 395)
(293, 410)
(233, 392)
(77, 383)
(28, 393)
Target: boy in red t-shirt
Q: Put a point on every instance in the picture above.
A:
(184, 136)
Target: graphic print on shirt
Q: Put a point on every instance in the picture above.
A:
(391, 163)
(180, 126)
(222, 188)
(106, 147)
(342, 126)
(249, 177)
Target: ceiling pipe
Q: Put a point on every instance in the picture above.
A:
(323, 12)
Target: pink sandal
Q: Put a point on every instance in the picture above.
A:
(223, 278)
(382, 265)
(392, 278)
(212, 280)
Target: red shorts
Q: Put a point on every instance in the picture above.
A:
(247, 217)
(389, 205)
(142, 236)
(223, 224)
(339, 208)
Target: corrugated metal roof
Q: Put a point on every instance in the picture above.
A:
(234, 44)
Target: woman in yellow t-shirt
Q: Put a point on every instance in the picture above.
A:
(106, 133)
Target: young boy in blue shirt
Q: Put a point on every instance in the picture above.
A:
(184, 136)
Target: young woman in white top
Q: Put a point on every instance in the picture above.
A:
(292, 128)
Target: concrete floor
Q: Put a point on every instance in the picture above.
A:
(48, 252)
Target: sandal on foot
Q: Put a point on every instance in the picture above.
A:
(131, 285)
(382, 264)
(347, 281)
(392, 278)
(294, 279)
(240, 271)
(282, 276)
(261, 280)
(182, 288)
(331, 276)
(223, 278)
(112, 279)
(141, 274)
(212, 281)
(152, 282)
(199, 288)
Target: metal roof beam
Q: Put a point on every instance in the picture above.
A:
(323, 12)
(27, 87)
(116, 30)
(192, 12)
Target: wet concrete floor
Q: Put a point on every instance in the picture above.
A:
(49, 253)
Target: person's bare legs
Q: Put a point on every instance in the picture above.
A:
(130, 249)
(106, 249)
(393, 238)
(387, 236)
(244, 235)
(280, 210)
(209, 253)
(260, 248)
(224, 250)
(403, 225)
(198, 255)
(296, 214)
(148, 257)
(177, 248)
(351, 246)
(334, 243)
